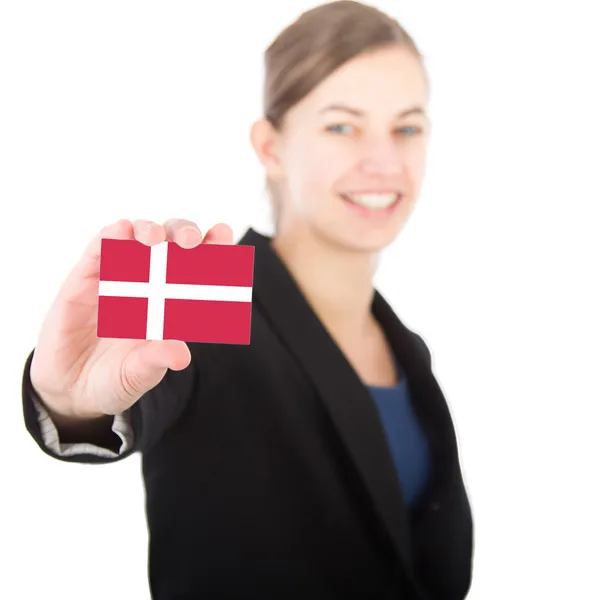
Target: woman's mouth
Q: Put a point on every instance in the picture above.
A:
(373, 204)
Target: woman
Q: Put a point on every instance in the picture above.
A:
(321, 459)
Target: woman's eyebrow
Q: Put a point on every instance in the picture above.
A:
(360, 113)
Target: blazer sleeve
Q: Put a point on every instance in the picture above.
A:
(139, 428)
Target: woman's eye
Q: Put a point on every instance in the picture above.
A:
(337, 128)
(413, 130)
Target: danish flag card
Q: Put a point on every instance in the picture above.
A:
(200, 294)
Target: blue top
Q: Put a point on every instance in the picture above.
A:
(406, 440)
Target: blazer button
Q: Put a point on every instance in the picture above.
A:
(434, 506)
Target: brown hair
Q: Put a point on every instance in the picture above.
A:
(314, 46)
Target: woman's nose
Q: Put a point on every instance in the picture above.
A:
(382, 158)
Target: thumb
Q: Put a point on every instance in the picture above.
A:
(146, 366)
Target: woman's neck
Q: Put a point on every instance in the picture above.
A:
(337, 283)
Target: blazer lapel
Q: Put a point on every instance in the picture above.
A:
(428, 400)
(345, 396)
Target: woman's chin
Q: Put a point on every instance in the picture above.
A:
(369, 242)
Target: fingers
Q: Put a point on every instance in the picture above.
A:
(219, 234)
(188, 235)
(148, 232)
(184, 232)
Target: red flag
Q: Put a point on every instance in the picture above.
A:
(200, 294)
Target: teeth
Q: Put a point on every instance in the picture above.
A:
(373, 200)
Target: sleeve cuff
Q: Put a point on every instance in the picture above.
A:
(121, 427)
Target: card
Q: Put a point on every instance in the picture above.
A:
(200, 294)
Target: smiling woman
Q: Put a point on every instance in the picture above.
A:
(345, 96)
(320, 459)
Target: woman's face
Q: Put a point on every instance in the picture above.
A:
(359, 138)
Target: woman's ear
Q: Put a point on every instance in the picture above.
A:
(264, 140)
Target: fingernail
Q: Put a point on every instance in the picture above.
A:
(188, 228)
(190, 234)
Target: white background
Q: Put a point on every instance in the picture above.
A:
(142, 110)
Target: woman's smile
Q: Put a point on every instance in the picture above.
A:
(372, 206)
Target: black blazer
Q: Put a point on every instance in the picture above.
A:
(267, 473)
